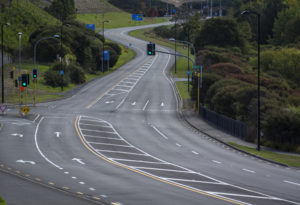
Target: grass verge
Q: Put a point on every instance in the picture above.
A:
(2, 202)
(290, 160)
(182, 87)
(181, 63)
(116, 20)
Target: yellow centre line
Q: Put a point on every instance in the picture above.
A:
(148, 175)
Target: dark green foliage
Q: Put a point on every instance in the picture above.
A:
(115, 47)
(224, 69)
(208, 79)
(282, 129)
(77, 75)
(219, 32)
(62, 9)
(54, 79)
(163, 31)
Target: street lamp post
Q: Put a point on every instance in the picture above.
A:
(2, 48)
(103, 44)
(20, 38)
(258, 73)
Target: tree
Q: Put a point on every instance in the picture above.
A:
(62, 9)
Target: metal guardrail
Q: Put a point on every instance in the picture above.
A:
(233, 127)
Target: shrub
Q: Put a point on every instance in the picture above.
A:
(225, 69)
(54, 79)
(76, 74)
(163, 31)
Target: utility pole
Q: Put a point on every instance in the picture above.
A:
(211, 8)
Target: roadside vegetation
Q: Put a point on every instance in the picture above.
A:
(226, 47)
(2, 202)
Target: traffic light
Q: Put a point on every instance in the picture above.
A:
(12, 74)
(150, 49)
(34, 73)
(25, 80)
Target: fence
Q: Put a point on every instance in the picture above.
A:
(233, 127)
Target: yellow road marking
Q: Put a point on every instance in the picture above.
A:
(100, 96)
(148, 175)
(9, 168)
(51, 183)
(80, 193)
(27, 175)
(38, 179)
(18, 172)
(66, 188)
(97, 198)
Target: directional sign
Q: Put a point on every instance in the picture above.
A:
(26, 109)
(90, 26)
(61, 72)
(137, 17)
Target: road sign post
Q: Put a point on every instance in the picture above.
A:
(106, 58)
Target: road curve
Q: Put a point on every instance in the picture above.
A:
(120, 140)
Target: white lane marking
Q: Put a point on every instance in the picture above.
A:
(38, 148)
(74, 177)
(167, 170)
(81, 183)
(120, 103)
(194, 152)
(162, 104)
(103, 195)
(178, 145)
(66, 172)
(144, 108)
(94, 125)
(24, 162)
(247, 170)
(98, 131)
(243, 195)
(36, 117)
(134, 103)
(92, 189)
(132, 160)
(16, 134)
(159, 132)
(117, 145)
(291, 183)
(196, 181)
(215, 161)
(110, 138)
(109, 102)
(57, 134)
(21, 123)
(78, 160)
(112, 151)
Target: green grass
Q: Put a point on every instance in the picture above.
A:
(181, 63)
(290, 160)
(183, 90)
(116, 20)
(2, 202)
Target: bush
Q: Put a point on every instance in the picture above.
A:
(163, 31)
(54, 79)
(225, 68)
(116, 47)
(77, 75)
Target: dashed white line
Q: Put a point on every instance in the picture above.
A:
(215, 161)
(81, 183)
(247, 170)
(159, 132)
(289, 182)
(144, 108)
(120, 103)
(194, 152)
(92, 189)
(74, 177)
(178, 145)
(66, 172)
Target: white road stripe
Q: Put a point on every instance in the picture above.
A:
(110, 144)
(81, 183)
(242, 195)
(196, 153)
(132, 160)
(98, 131)
(247, 170)
(145, 105)
(92, 189)
(178, 145)
(291, 183)
(94, 125)
(215, 161)
(110, 138)
(160, 133)
(100, 150)
(192, 180)
(120, 103)
(167, 170)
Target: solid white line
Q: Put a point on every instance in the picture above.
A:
(145, 105)
(132, 160)
(291, 183)
(120, 103)
(93, 125)
(242, 195)
(192, 180)
(215, 161)
(125, 86)
(100, 150)
(99, 131)
(196, 153)
(178, 145)
(160, 133)
(93, 120)
(38, 148)
(167, 170)
(110, 144)
(36, 117)
(110, 138)
(247, 170)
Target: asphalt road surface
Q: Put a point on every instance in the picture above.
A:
(120, 140)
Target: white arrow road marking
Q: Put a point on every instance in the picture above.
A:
(134, 103)
(16, 134)
(109, 102)
(24, 162)
(162, 104)
(57, 134)
(79, 161)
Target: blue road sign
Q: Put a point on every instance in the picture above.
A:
(61, 72)
(173, 11)
(90, 26)
(106, 55)
(137, 17)
(189, 72)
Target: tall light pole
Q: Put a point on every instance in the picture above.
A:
(175, 42)
(2, 48)
(36, 44)
(20, 38)
(106, 21)
(258, 72)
